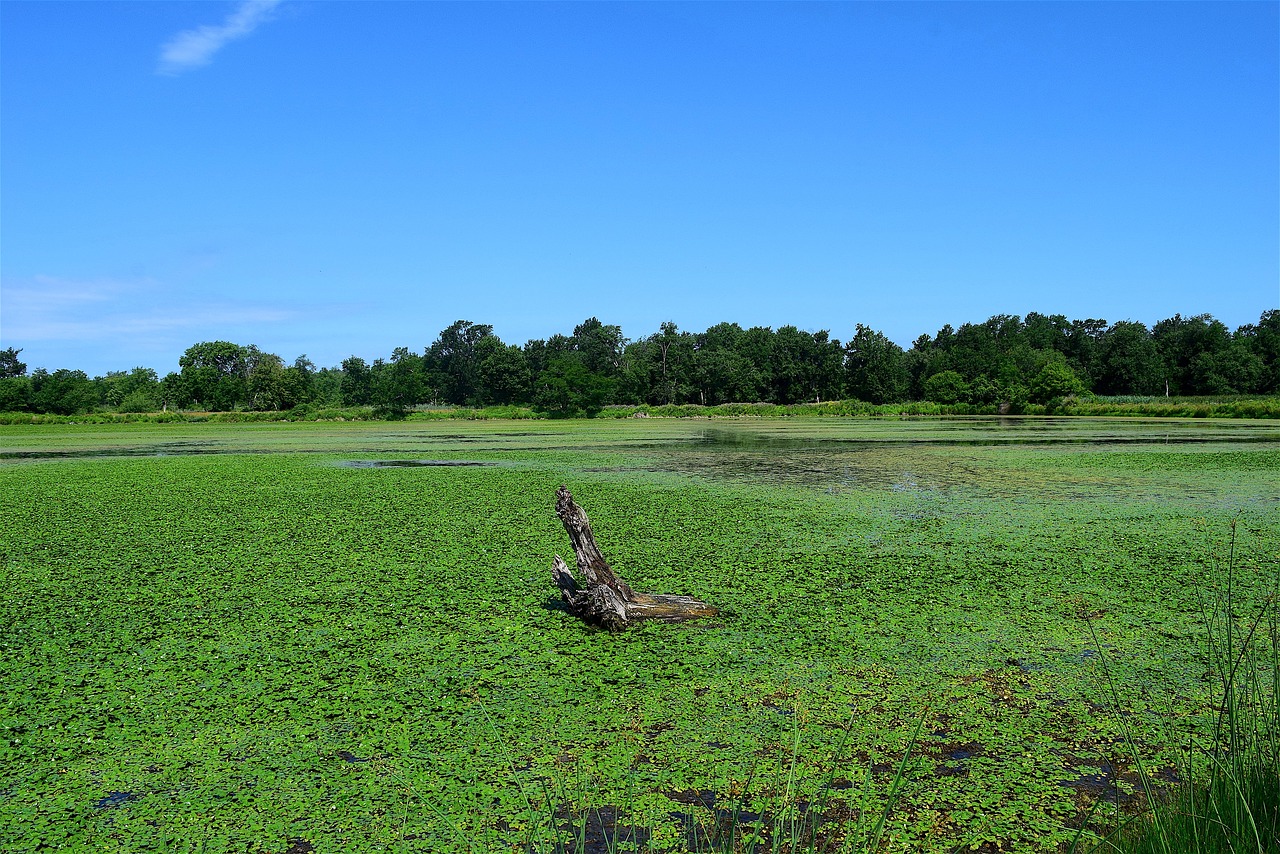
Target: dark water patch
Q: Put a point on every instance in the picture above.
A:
(705, 798)
(838, 467)
(708, 826)
(350, 758)
(657, 729)
(164, 449)
(377, 464)
(194, 451)
(115, 799)
(824, 468)
(599, 830)
(953, 758)
(715, 824)
(298, 845)
(776, 708)
(1086, 655)
(1101, 780)
(957, 751)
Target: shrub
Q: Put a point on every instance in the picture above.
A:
(947, 387)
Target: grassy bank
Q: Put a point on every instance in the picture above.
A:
(1137, 407)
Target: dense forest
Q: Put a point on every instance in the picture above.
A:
(1006, 360)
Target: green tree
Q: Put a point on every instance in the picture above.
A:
(139, 401)
(1056, 379)
(397, 385)
(1084, 349)
(566, 389)
(1235, 369)
(357, 382)
(15, 387)
(1046, 332)
(326, 387)
(15, 393)
(455, 355)
(1128, 362)
(722, 375)
(827, 355)
(806, 365)
(725, 370)
(172, 391)
(10, 366)
(875, 368)
(267, 384)
(1263, 340)
(215, 374)
(1181, 342)
(636, 373)
(600, 347)
(947, 387)
(63, 392)
(922, 361)
(504, 372)
(973, 351)
(672, 354)
(139, 386)
(755, 345)
(984, 389)
(299, 381)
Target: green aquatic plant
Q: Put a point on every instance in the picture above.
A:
(260, 635)
(1230, 798)
(752, 813)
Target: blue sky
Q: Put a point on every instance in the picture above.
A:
(345, 178)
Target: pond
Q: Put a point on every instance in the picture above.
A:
(349, 632)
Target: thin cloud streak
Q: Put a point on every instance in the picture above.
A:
(114, 326)
(194, 48)
(47, 308)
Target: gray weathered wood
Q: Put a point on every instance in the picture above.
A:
(608, 601)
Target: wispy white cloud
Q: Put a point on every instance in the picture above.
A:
(47, 308)
(43, 295)
(194, 48)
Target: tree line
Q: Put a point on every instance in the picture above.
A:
(1007, 360)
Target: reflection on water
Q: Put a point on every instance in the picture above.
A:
(932, 459)
(938, 459)
(989, 432)
(377, 464)
(161, 449)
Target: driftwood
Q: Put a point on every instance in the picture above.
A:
(607, 601)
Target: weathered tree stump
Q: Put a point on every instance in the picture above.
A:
(607, 601)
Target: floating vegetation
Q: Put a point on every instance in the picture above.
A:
(268, 648)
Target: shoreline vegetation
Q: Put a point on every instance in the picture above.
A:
(1007, 365)
(1128, 406)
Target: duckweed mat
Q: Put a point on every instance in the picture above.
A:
(345, 637)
